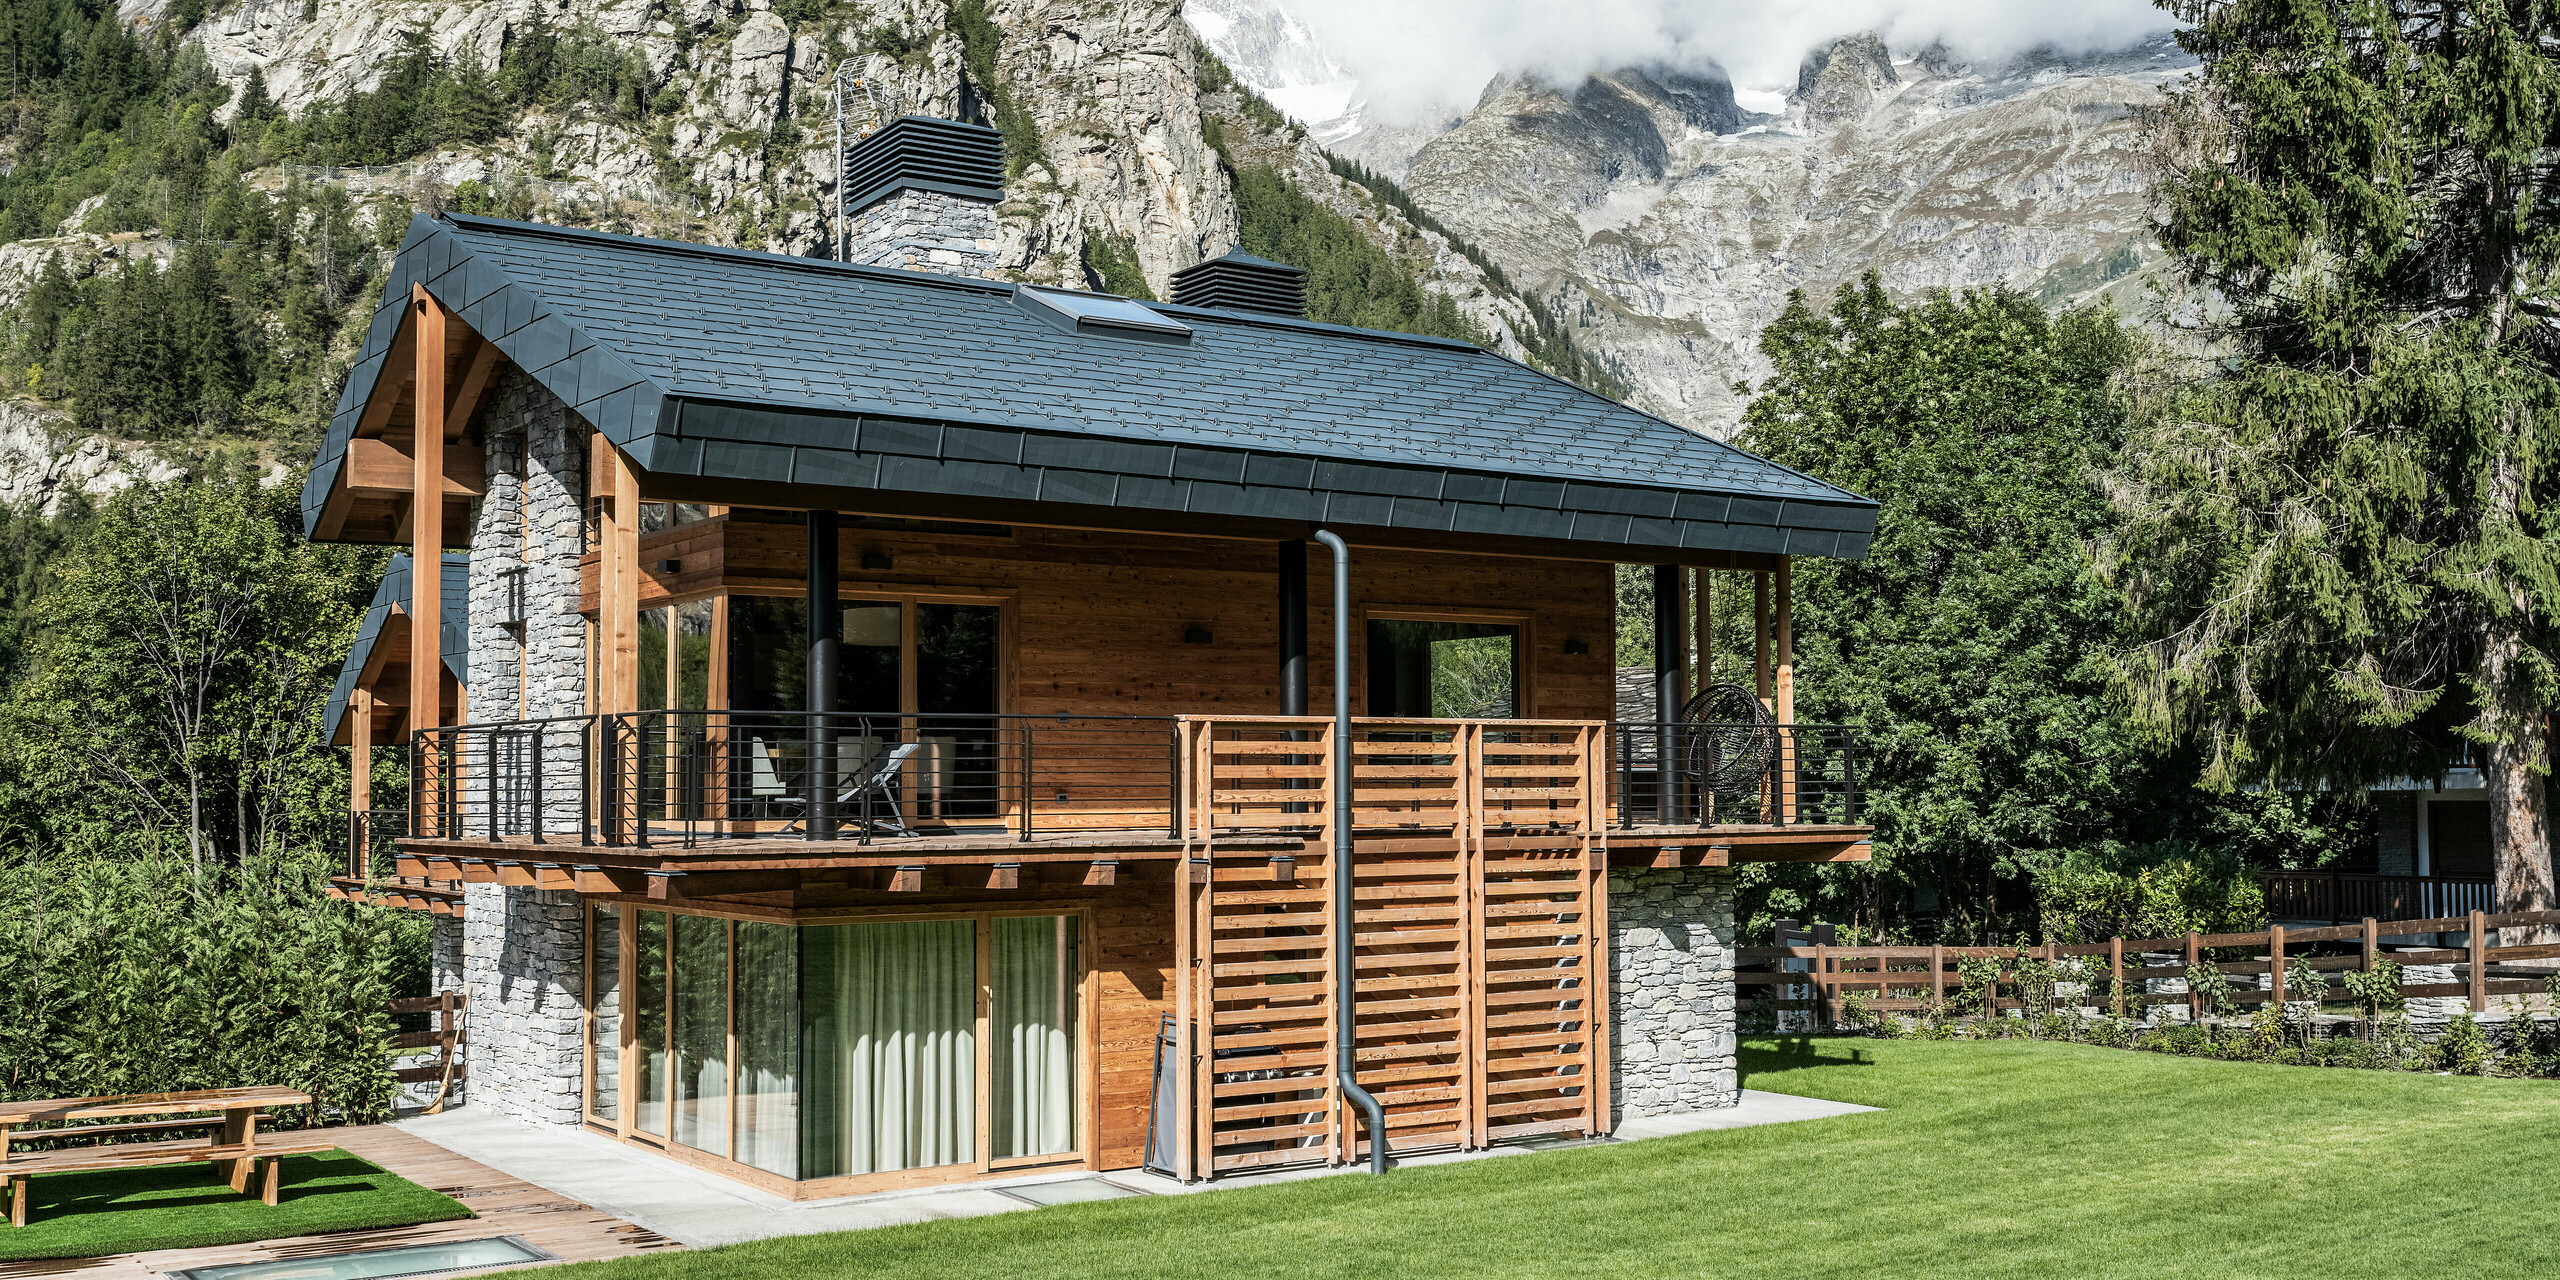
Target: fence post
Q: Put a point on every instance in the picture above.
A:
(2372, 943)
(1938, 974)
(2195, 1002)
(1821, 983)
(2275, 965)
(2479, 962)
(2115, 972)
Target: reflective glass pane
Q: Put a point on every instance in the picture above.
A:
(769, 1047)
(960, 756)
(604, 1032)
(649, 1020)
(702, 1033)
(768, 653)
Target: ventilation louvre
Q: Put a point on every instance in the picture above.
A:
(927, 152)
(1242, 282)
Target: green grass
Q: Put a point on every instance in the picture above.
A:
(182, 1206)
(1992, 1159)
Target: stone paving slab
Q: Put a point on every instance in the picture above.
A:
(701, 1208)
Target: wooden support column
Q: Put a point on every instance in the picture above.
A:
(1760, 675)
(426, 514)
(618, 577)
(360, 781)
(1785, 690)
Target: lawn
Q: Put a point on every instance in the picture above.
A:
(1991, 1159)
(181, 1206)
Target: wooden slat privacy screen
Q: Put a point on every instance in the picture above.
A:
(1480, 900)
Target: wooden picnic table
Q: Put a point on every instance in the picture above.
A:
(238, 1120)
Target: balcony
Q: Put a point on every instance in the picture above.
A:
(998, 786)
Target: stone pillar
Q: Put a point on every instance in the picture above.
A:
(1671, 991)
(916, 229)
(521, 960)
(522, 949)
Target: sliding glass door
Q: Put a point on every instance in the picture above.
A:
(838, 1050)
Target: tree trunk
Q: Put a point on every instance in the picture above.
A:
(2514, 767)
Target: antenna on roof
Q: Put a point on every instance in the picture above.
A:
(877, 106)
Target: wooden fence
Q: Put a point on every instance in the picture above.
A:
(1917, 978)
(444, 1036)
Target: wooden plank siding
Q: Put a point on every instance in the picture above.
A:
(1098, 620)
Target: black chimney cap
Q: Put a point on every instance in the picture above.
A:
(929, 153)
(1240, 281)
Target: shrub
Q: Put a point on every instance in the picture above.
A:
(2463, 1049)
(2089, 904)
(144, 974)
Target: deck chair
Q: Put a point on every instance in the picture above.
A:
(881, 786)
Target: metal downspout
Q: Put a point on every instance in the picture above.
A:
(1346, 969)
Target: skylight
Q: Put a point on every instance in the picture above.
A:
(1106, 313)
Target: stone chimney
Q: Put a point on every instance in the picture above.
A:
(921, 195)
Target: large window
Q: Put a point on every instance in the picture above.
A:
(1463, 670)
(830, 1050)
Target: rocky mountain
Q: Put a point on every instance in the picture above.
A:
(1671, 224)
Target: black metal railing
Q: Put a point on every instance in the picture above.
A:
(372, 840)
(1739, 774)
(2339, 897)
(648, 777)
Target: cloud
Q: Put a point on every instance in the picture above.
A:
(1415, 57)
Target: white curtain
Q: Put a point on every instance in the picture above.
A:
(1033, 1055)
(891, 1047)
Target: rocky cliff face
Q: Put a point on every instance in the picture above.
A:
(1672, 224)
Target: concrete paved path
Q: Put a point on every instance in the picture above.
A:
(687, 1204)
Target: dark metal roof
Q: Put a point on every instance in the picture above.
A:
(755, 367)
(453, 631)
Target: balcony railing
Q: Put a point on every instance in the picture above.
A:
(2340, 897)
(650, 778)
(371, 837)
(1737, 774)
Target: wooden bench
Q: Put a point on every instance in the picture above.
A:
(136, 1155)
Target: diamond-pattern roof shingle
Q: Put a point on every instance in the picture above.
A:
(658, 342)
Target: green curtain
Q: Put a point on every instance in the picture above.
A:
(702, 1033)
(769, 1048)
(605, 1033)
(1033, 1058)
(888, 1046)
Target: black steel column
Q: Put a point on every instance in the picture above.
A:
(825, 635)
(1293, 628)
(1670, 659)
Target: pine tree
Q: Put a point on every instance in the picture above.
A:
(2338, 543)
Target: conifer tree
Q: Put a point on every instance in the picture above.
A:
(2338, 546)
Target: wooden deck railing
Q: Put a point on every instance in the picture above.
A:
(2339, 897)
(1921, 978)
(1480, 936)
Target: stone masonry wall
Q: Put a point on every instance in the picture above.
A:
(917, 230)
(523, 948)
(1671, 985)
(521, 962)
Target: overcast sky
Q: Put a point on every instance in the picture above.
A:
(1415, 56)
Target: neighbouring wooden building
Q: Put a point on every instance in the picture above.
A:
(888, 756)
